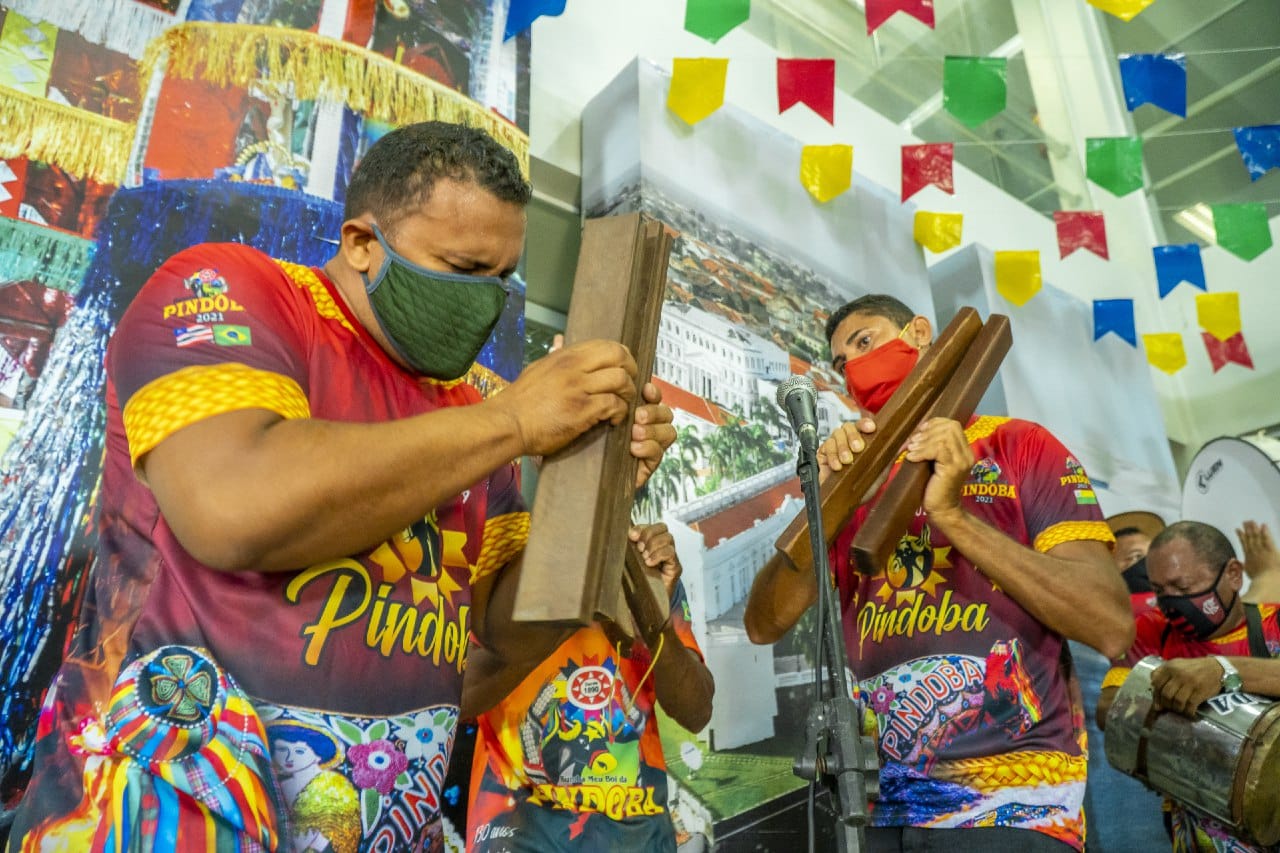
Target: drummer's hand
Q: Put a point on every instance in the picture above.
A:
(1184, 684)
(844, 444)
(941, 441)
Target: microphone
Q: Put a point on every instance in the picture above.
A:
(798, 397)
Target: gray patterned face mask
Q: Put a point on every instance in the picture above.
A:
(437, 321)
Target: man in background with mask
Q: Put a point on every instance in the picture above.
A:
(959, 642)
(1213, 641)
(305, 504)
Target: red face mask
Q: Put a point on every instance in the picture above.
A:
(872, 378)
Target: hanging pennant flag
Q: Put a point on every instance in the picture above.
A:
(522, 13)
(974, 87)
(937, 232)
(1125, 10)
(1259, 148)
(826, 170)
(1222, 353)
(1114, 315)
(697, 88)
(713, 19)
(1242, 229)
(1176, 264)
(1114, 163)
(808, 81)
(1081, 229)
(1155, 78)
(1219, 313)
(879, 11)
(1018, 276)
(1165, 351)
(923, 165)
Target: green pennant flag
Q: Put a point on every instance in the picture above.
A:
(1114, 163)
(712, 19)
(974, 87)
(1242, 229)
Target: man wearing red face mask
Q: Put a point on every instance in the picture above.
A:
(959, 642)
(1213, 641)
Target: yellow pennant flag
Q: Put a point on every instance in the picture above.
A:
(1219, 313)
(697, 88)
(1125, 10)
(826, 170)
(1165, 351)
(1018, 275)
(938, 232)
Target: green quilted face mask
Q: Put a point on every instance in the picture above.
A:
(437, 321)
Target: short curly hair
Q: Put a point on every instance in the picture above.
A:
(875, 304)
(399, 171)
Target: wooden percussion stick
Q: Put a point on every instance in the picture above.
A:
(891, 516)
(844, 488)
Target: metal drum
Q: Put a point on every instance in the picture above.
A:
(1224, 763)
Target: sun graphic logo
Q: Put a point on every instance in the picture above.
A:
(912, 567)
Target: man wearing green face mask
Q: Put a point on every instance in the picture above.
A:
(305, 508)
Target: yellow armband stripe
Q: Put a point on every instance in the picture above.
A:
(504, 537)
(1070, 531)
(1115, 676)
(176, 400)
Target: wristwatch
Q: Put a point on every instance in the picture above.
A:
(1231, 680)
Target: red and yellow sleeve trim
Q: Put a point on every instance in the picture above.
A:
(1071, 531)
(504, 537)
(305, 278)
(1115, 676)
(983, 427)
(176, 400)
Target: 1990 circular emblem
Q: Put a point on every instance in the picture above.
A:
(591, 687)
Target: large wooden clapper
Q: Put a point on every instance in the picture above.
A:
(947, 381)
(578, 564)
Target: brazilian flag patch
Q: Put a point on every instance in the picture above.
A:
(232, 336)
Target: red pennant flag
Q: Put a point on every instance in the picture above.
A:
(879, 11)
(808, 81)
(1081, 229)
(923, 165)
(1222, 353)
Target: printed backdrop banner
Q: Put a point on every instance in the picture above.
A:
(754, 273)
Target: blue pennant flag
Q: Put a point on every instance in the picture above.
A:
(1114, 315)
(1155, 78)
(1176, 264)
(1259, 148)
(522, 13)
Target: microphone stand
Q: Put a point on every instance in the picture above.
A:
(836, 752)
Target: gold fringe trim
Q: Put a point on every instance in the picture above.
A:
(85, 144)
(319, 67)
(1013, 770)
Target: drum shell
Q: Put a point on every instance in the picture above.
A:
(1225, 762)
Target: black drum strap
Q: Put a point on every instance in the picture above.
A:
(1257, 640)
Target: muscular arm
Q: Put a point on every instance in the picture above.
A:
(683, 683)
(249, 490)
(1072, 589)
(779, 596)
(781, 593)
